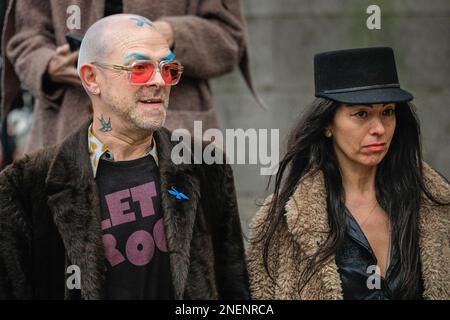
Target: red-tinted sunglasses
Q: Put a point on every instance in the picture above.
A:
(142, 71)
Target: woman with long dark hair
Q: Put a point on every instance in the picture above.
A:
(355, 213)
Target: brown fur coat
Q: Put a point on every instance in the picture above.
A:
(50, 218)
(306, 227)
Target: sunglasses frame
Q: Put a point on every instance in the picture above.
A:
(128, 69)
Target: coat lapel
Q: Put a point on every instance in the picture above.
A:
(307, 221)
(434, 225)
(179, 215)
(73, 200)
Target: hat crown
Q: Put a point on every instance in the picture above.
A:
(366, 75)
(355, 68)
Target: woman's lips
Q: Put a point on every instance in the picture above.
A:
(376, 147)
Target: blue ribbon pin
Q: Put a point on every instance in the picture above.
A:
(178, 195)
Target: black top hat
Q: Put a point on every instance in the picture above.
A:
(363, 76)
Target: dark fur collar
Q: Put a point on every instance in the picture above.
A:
(73, 199)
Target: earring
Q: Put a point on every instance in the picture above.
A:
(328, 134)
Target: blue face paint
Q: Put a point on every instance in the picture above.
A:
(169, 57)
(141, 21)
(136, 56)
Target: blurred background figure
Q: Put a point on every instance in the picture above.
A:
(2, 126)
(206, 36)
(15, 125)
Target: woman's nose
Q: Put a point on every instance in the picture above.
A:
(377, 126)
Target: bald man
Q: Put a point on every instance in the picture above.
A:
(208, 37)
(106, 214)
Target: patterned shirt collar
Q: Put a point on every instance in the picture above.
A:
(98, 151)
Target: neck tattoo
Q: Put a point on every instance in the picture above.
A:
(106, 126)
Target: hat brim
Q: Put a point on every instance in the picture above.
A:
(371, 96)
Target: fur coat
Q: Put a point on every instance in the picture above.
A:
(50, 219)
(305, 228)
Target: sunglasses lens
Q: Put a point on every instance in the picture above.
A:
(171, 72)
(142, 72)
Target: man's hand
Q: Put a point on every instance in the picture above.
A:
(61, 68)
(166, 30)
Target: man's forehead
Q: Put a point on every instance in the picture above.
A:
(141, 21)
(125, 24)
(132, 34)
(126, 20)
(143, 45)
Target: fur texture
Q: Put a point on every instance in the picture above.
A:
(305, 229)
(50, 218)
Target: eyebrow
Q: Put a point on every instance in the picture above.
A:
(136, 56)
(170, 56)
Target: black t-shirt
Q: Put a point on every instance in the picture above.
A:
(133, 231)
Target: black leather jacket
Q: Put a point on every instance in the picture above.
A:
(354, 261)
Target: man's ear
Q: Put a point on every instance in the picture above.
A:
(88, 75)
